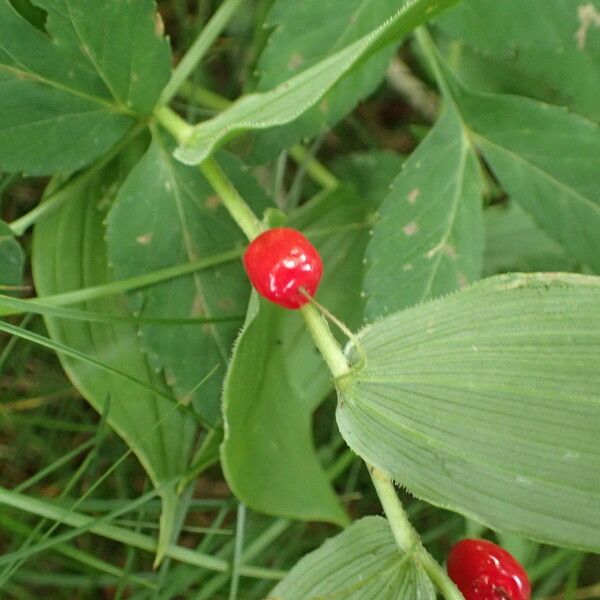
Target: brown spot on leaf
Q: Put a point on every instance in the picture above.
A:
(296, 60)
(144, 239)
(588, 17)
(212, 202)
(410, 229)
(198, 307)
(226, 304)
(159, 25)
(413, 195)
(449, 250)
(170, 377)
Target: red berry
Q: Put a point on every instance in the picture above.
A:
(484, 571)
(279, 262)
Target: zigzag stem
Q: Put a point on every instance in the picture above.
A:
(406, 537)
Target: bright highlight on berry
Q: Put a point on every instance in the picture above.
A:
(482, 570)
(279, 262)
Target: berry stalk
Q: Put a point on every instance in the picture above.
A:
(328, 346)
(407, 539)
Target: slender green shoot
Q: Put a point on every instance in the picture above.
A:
(198, 50)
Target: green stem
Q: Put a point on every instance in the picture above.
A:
(56, 199)
(132, 283)
(173, 123)
(313, 167)
(439, 577)
(234, 203)
(406, 537)
(318, 173)
(204, 96)
(74, 553)
(199, 48)
(126, 536)
(404, 534)
(20, 225)
(430, 52)
(325, 342)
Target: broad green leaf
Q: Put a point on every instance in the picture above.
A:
(305, 33)
(122, 42)
(548, 160)
(67, 97)
(493, 47)
(268, 456)
(276, 378)
(514, 243)
(361, 563)
(487, 402)
(12, 259)
(167, 214)
(294, 96)
(545, 157)
(428, 239)
(69, 253)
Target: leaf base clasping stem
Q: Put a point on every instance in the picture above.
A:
(406, 537)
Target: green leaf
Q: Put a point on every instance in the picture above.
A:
(69, 253)
(67, 97)
(514, 243)
(268, 456)
(122, 42)
(277, 379)
(12, 259)
(492, 44)
(487, 402)
(361, 563)
(167, 214)
(548, 160)
(305, 33)
(293, 97)
(429, 236)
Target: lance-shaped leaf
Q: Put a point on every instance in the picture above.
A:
(487, 402)
(548, 160)
(428, 239)
(305, 33)
(167, 214)
(69, 253)
(293, 97)
(361, 563)
(68, 96)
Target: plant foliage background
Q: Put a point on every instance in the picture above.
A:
(164, 433)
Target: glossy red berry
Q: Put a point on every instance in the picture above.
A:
(482, 570)
(279, 262)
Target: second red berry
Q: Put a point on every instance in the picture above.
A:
(482, 570)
